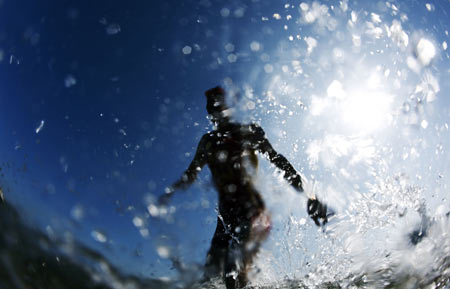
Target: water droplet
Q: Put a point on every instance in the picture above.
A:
(41, 125)
(276, 16)
(239, 13)
(225, 12)
(375, 18)
(425, 51)
(70, 81)
(311, 42)
(99, 236)
(222, 156)
(354, 16)
(304, 6)
(153, 210)
(2, 197)
(430, 7)
(424, 124)
(232, 58)
(163, 251)
(187, 50)
(113, 29)
(138, 222)
(77, 212)
(406, 107)
(144, 232)
(255, 46)
(229, 47)
(268, 68)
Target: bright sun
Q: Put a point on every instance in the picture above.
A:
(364, 107)
(366, 111)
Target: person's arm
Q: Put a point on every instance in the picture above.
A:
(316, 210)
(190, 175)
(264, 146)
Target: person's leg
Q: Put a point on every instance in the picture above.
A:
(258, 231)
(233, 265)
(249, 250)
(235, 272)
(215, 257)
(249, 226)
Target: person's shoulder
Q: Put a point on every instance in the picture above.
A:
(253, 130)
(206, 141)
(256, 129)
(207, 136)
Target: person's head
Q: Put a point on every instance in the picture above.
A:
(215, 103)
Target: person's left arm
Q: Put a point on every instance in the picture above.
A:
(264, 146)
(316, 210)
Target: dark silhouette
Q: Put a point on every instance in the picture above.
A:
(243, 223)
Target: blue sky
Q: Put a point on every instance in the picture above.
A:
(119, 90)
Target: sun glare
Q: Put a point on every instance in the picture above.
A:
(364, 108)
(366, 111)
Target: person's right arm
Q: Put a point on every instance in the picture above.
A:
(190, 175)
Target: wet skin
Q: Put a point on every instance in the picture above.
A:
(230, 151)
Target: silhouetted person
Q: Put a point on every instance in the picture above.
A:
(230, 152)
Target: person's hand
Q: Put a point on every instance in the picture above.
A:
(317, 211)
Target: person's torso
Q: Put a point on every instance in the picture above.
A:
(231, 157)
